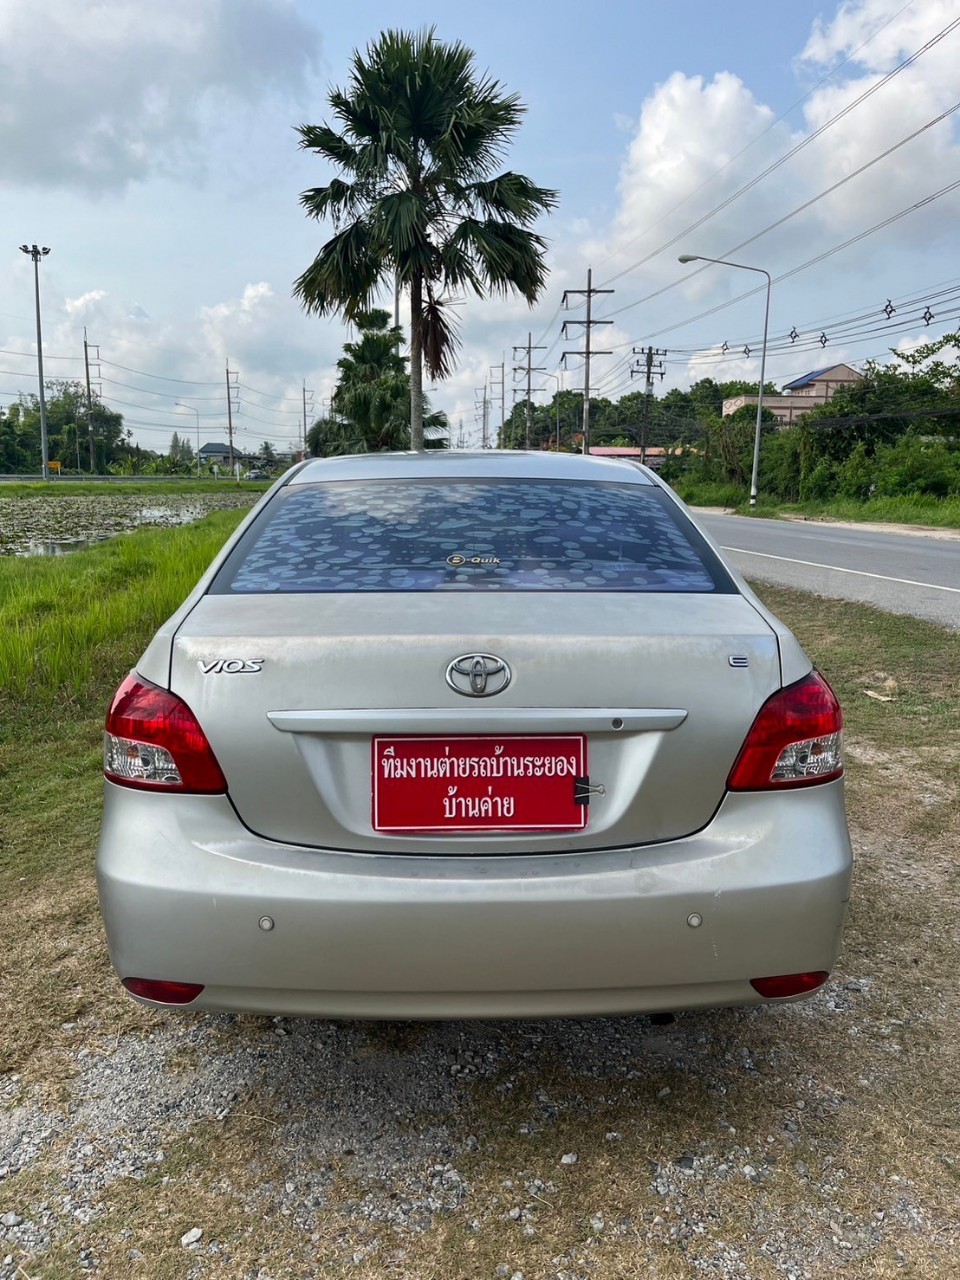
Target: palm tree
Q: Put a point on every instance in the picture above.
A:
(370, 408)
(420, 138)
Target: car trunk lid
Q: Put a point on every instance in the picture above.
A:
(659, 691)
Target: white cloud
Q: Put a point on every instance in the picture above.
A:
(143, 366)
(689, 129)
(683, 164)
(77, 308)
(102, 93)
(887, 30)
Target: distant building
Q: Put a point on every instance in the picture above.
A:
(219, 455)
(801, 395)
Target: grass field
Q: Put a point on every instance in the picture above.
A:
(934, 513)
(847, 1105)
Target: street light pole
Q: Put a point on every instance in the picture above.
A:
(181, 405)
(36, 253)
(697, 257)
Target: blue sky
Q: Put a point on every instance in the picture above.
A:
(152, 148)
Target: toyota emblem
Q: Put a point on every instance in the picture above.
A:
(478, 675)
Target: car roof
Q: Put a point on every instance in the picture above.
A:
(486, 463)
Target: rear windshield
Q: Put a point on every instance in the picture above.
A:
(470, 535)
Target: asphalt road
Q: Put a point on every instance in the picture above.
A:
(907, 573)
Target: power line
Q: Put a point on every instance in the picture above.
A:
(939, 295)
(811, 262)
(795, 150)
(142, 373)
(762, 134)
(799, 209)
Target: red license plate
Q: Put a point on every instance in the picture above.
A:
(454, 784)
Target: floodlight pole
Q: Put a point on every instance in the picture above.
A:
(36, 253)
(698, 257)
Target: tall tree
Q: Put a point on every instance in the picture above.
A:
(370, 408)
(66, 412)
(420, 137)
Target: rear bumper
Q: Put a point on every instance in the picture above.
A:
(184, 886)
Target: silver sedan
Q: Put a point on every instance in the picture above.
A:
(472, 735)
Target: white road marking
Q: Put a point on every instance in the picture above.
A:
(860, 573)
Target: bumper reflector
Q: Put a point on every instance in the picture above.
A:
(163, 992)
(789, 984)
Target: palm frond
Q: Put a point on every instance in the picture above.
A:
(478, 134)
(511, 196)
(404, 218)
(441, 341)
(328, 143)
(344, 275)
(457, 266)
(338, 199)
(506, 257)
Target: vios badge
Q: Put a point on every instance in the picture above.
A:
(478, 675)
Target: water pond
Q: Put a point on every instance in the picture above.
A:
(51, 526)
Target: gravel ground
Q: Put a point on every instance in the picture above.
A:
(430, 1122)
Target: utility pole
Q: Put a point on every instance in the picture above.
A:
(311, 395)
(483, 405)
(86, 365)
(588, 324)
(530, 369)
(503, 400)
(230, 389)
(651, 372)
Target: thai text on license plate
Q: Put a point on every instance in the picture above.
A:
(451, 784)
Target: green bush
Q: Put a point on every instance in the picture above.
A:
(917, 465)
(704, 494)
(856, 476)
(821, 483)
(781, 465)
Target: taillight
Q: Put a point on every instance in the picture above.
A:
(153, 741)
(789, 984)
(163, 992)
(794, 741)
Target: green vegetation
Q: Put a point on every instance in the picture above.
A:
(893, 435)
(671, 421)
(370, 408)
(69, 428)
(915, 509)
(70, 626)
(93, 442)
(420, 202)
